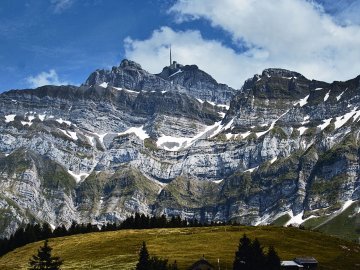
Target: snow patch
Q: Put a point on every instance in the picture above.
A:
(177, 143)
(10, 118)
(200, 100)
(211, 103)
(138, 131)
(327, 96)
(356, 116)
(70, 134)
(30, 118)
(101, 136)
(60, 121)
(78, 177)
(217, 181)
(302, 101)
(24, 123)
(252, 169)
(325, 124)
(41, 117)
(346, 205)
(317, 89)
(104, 84)
(259, 134)
(126, 90)
(91, 140)
(339, 96)
(306, 120)
(341, 120)
(177, 72)
(302, 130)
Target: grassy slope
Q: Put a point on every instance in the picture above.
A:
(344, 225)
(118, 250)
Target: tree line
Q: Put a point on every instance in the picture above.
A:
(36, 232)
(249, 256)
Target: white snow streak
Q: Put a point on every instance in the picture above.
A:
(70, 134)
(302, 130)
(91, 140)
(126, 90)
(104, 84)
(41, 117)
(327, 96)
(60, 121)
(341, 120)
(200, 100)
(101, 136)
(252, 169)
(302, 101)
(10, 118)
(138, 131)
(217, 181)
(24, 123)
(259, 134)
(339, 96)
(325, 124)
(78, 177)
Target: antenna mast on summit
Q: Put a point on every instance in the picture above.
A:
(170, 56)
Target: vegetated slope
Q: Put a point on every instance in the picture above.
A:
(345, 224)
(118, 250)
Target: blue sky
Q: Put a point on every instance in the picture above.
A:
(63, 41)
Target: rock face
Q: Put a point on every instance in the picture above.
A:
(128, 141)
(198, 83)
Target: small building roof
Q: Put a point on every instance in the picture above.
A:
(290, 263)
(202, 261)
(302, 260)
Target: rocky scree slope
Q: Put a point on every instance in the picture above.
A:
(128, 141)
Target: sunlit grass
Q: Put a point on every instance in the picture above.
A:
(118, 250)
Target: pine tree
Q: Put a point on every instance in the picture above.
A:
(244, 255)
(156, 263)
(258, 260)
(44, 260)
(272, 259)
(144, 260)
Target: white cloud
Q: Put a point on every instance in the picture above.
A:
(189, 47)
(291, 34)
(45, 78)
(61, 5)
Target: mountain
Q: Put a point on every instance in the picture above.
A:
(178, 143)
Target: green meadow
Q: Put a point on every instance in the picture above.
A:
(119, 249)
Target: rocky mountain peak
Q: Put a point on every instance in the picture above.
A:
(125, 63)
(278, 72)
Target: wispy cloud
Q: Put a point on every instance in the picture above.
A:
(45, 78)
(60, 6)
(291, 34)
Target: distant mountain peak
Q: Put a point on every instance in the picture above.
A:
(125, 63)
(279, 72)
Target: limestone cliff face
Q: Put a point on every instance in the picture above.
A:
(128, 141)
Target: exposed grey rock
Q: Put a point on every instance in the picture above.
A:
(100, 153)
